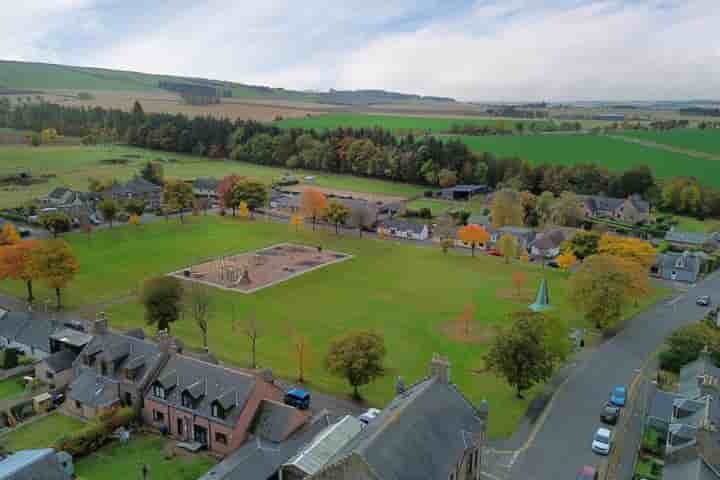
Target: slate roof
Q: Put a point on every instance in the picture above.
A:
(403, 225)
(60, 361)
(11, 323)
(32, 464)
(72, 337)
(662, 405)
(420, 434)
(275, 421)
(28, 328)
(690, 238)
(94, 390)
(695, 469)
(690, 261)
(206, 383)
(549, 240)
(135, 186)
(316, 454)
(599, 203)
(206, 183)
(688, 381)
(482, 220)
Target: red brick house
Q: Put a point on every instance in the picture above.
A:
(195, 401)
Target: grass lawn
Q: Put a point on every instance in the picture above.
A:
(707, 141)
(437, 207)
(615, 154)
(11, 387)
(690, 224)
(409, 293)
(40, 433)
(117, 461)
(74, 165)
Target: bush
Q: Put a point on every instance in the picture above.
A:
(95, 434)
(10, 358)
(425, 213)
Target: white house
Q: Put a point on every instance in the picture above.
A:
(404, 229)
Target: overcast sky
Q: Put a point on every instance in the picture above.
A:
(472, 50)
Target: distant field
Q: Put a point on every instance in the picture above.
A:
(612, 153)
(707, 141)
(395, 123)
(73, 166)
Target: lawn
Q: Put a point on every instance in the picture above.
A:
(615, 154)
(11, 387)
(707, 141)
(40, 433)
(690, 224)
(437, 207)
(72, 166)
(116, 461)
(409, 293)
(395, 123)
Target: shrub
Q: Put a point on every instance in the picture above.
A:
(95, 434)
(10, 358)
(425, 213)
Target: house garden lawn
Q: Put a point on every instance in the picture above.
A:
(11, 387)
(612, 153)
(690, 224)
(407, 292)
(118, 460)
(40, 433)
(707, 141)
(74, 165)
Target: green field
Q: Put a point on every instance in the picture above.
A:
(409, 293)
(11, 387)
(395, 123)
(614, 154)
(707, 141)
(40, 433)
(74, 165)
(116, 461)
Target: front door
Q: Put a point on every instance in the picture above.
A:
(180, 428)
(201, 435)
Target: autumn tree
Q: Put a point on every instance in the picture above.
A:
(178, 196)
(162, 298)
(198, 303)
(56, 223)
(225, 191)
(153, 172)
(446, 244)
(357, 357)
(135, 206)
(473, 235)
(544, 206)
(252, 192)
(524, 257)
(55, 264)
(601, 289)
(15, 264)
(583, 244)
(361, 217)
(466, 318)
(630, 248)
(9, 235)
(518, 279)
(337, 214)
(567, 210)
(506, 209)
(566, 260)
(243, 210)
(508, 247)
(108, 209)
(313, 204)
(529, 204)
(303, 354)
(296, 221)
(134, 220)
(527, 352)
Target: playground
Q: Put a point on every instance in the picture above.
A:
(252, 271)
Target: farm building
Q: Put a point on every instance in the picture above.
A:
(404, 229)
(463, 192)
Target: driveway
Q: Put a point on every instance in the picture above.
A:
(561, 446)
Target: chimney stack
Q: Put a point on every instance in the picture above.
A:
(440, 368)
(100, 325)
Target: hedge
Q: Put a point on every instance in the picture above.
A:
(95, 434)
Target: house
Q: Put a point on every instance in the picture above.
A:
(28, 332)
(205, 188)
(700, 378)
(693, 469)
(41, 464)
(136, 188)
(629, 210)
(56, 370)
(214, 406)
(113, 370)
(677, 418)
(428, 431)
(680, 267)
(73, 203)
(696, 240)
(523, 236)
(463, 192)
(404, 229)
(548, 243)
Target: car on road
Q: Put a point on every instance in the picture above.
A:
(618, 396)
(298, 398)
(602, 441)
(703, 301)
(610, 414)
(587, 473)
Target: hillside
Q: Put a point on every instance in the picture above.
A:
(34, 77)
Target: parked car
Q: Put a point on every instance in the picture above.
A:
(587, 473)
(610, 414)
(368, 416)
(618, 396)
(703, 301)
(298, 398)
(602, 441)
(494, 253)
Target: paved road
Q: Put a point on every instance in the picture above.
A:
(562, 445)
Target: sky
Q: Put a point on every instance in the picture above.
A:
(483, 50)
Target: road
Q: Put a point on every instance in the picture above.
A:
(561, 446)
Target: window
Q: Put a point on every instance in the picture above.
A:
(221, 438)
(50, 375)
(218, 411)
(158, 416)
(159, 391)
(78, 405)
(187, 401)
(103, 368)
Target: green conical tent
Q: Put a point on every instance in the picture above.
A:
(542, 301)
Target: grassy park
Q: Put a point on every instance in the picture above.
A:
(412, 294)
(707, 141)
(40, 432)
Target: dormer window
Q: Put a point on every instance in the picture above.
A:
(159, 391)
(218, 411)
(187, 400)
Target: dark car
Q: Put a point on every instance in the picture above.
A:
(703, 301)
(298, 398)
(610, 414)
(587, 473)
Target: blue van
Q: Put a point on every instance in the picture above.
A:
(298, 398)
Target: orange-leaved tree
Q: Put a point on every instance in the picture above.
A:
(566, 259)
(9, 235)
(15, 264)
(466, 318)
(296, 221)
(225, 191)
(473, 235)
(630, 248)
(518, 280)
(313, 204)
(55, 264)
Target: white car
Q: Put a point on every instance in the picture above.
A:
(602, 441)
(368, 416)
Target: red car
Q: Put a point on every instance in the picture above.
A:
(587, 473)
(494, 253)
